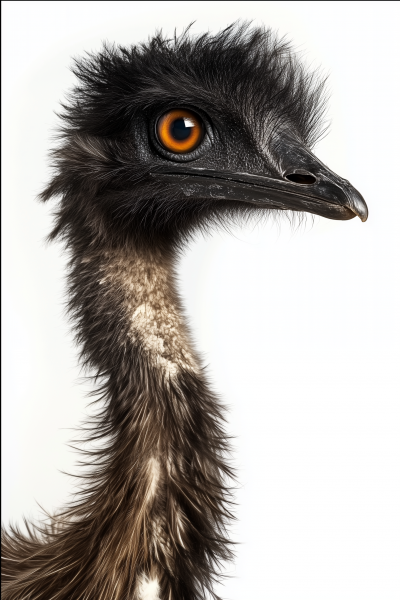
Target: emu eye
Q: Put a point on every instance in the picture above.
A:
(180, 131)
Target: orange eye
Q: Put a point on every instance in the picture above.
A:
(180, 131)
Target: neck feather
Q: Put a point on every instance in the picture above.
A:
(127, 308)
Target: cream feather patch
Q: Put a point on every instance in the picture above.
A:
(155, 321)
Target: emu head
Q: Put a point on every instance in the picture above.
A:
(178, 133)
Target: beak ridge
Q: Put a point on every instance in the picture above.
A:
(293, 157)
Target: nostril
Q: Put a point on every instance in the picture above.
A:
(301, 178)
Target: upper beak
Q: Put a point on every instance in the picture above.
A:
(303, 184)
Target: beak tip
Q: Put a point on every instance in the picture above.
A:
(359, 206)
(362, 211)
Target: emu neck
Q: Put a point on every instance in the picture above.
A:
(149, 522)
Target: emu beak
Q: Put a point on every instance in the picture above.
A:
(303, 184)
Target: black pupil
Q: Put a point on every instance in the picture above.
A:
(179, 130)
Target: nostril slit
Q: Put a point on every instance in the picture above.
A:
(301, 178)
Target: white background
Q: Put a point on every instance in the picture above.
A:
(300, 326)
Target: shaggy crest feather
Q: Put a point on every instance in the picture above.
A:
(149, 521)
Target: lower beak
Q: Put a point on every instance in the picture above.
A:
(304, 184)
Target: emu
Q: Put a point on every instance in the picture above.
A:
(158, 141)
